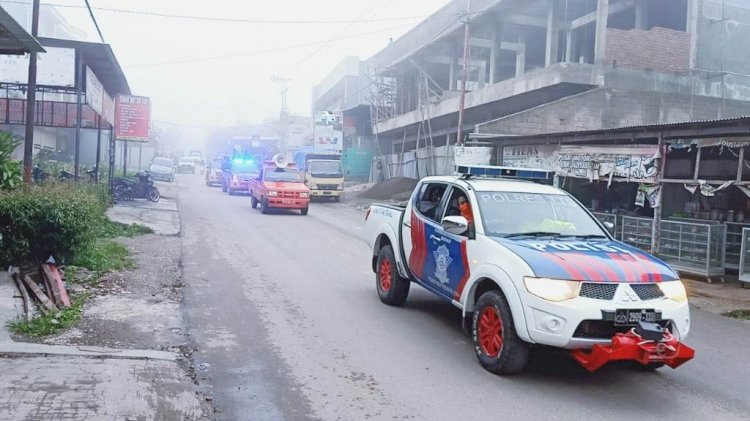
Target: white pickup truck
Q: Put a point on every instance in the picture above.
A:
(528, 264)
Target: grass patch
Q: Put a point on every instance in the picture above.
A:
(738, 314)
(105, 255)
(109, 229)
(50, 324)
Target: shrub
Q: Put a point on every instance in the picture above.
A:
(10, 169)
(58, 219)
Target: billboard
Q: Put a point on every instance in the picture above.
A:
(132, 118)
(56, 67)
(329, 131)
(94, 91)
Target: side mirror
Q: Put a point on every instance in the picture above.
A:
(457, 225)
(609, 226)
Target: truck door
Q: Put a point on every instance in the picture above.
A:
(420, 233)
(449, 266)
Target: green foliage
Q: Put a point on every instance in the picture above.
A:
(10, 169)
(739, 314)
(50, 324)
(104, 255)
(50, 219)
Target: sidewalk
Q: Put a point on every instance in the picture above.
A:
(161, 216)
(718, 298)
(129, 356)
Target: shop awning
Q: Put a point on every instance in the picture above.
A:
(14, 40)
(101, 59)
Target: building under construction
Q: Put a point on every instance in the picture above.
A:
(554, 66)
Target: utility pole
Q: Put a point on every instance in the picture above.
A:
(464, 74)
(28, 146)
(284, 114)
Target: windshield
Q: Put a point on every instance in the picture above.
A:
(326, 168)
(163, 162)
(510, 213)
(283, 174)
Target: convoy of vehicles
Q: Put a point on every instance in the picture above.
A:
(528, 265)
(279, 185)
(322, 172)
(162, 169)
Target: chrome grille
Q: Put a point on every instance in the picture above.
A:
(647, 291)
(327, 186)
(598, 291)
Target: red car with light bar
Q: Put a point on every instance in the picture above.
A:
(279, 186)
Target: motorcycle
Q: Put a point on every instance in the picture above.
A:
(143, 188)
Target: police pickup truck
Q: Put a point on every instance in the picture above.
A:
(528, 265)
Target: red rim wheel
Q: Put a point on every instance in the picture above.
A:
(386, 278)
(490, 330)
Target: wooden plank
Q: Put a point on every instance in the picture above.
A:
(24, 294)
(46, 306)
(55, 282)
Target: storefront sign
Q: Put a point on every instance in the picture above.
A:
(631, 163)
(727, 142)
(329, 131)
(465, 155)
(132, 118)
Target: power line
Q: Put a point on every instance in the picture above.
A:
(96, 24)
(221, 19)
(264, 51)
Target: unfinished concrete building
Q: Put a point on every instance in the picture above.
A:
(562, 65)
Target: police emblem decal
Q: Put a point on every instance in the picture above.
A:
(442, 262)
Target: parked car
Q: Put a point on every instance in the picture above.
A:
(162, 169)
(186, 164)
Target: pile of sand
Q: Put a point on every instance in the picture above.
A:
(395, 188)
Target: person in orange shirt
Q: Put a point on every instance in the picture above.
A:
(465, 208)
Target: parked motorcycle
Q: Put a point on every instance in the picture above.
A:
(143, 188)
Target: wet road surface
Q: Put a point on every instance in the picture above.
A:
(284, 313)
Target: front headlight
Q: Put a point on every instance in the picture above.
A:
(235, 179)
(314, 186)
(304, 195)
(552, 289)
(273, 194)
(674, 290)
(340, 187)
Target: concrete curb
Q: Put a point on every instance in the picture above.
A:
(28, 349)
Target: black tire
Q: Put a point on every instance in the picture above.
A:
(336, 198)
(119, 192)
(253, 201)
(648, 367)
(153, 194)
(263, 205)
(512, 353)
(304, 211)
(392, 288)
(231, 191)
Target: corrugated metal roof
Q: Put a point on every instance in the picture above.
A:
(14, 40)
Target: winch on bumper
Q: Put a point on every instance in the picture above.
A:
(600, 328)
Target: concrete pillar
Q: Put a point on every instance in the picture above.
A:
(550, 55)
(692, 28)
(493, 56)
(521, 57)
(602, 14)
(452, 72)
(641, 15)
(570, 49)
(482, 76)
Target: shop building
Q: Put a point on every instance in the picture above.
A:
(680, 190)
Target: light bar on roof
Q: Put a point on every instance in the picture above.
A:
(488, 171)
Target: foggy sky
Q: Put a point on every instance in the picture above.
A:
(223, 91)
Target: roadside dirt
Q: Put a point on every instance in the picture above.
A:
(718, 298)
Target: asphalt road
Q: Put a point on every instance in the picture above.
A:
(283, 311)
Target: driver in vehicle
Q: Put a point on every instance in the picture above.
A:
(465, 209)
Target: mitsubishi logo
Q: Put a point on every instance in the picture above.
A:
(629, 296)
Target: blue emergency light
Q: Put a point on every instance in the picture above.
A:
(489, 171)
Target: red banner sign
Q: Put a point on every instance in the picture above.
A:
(132, 118)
